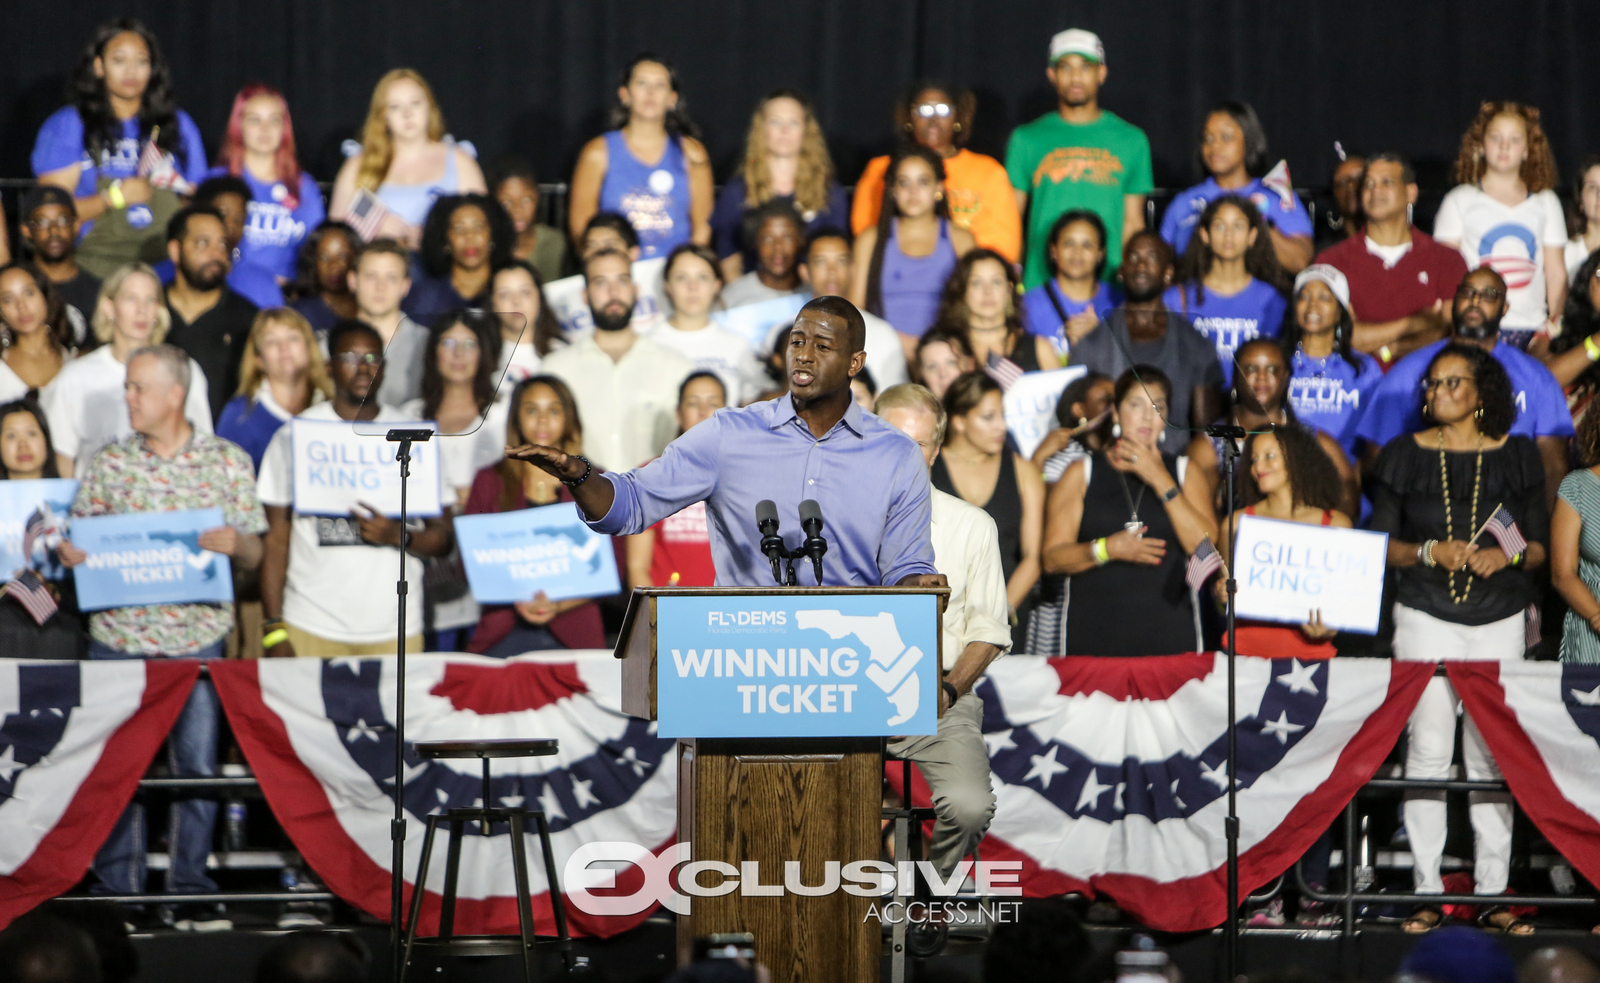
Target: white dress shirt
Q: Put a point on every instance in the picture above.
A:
(626, 406)
(966, 549)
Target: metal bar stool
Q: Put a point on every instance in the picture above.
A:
(919, 941)
(525, 942)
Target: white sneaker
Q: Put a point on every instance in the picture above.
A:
(300, 919)
(202, 918)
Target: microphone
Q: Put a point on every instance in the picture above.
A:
(771, 544)
(814, 546)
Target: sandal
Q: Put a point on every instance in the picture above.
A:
(1423, 919)
(1498, 918)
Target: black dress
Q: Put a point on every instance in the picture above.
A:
(1005, 508)
(1128, 609)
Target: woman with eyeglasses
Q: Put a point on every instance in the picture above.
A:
(1459, 594)
(938, 116)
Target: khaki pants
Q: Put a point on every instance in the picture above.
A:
(955, 761)
(317, 647)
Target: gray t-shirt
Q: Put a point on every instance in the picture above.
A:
(1183, 353)
(749, 289)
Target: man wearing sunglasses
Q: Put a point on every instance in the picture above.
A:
(1479, 304)
(327, 586)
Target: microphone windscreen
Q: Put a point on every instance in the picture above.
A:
(766, 510)
(809, 509)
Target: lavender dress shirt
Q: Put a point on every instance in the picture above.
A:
(868, 478)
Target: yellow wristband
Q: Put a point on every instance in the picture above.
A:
(1592, 347)
(1102, 554)
(273, 638)
(115, 196)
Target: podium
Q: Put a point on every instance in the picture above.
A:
(780, 700)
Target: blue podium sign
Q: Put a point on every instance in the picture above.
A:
(795, 665)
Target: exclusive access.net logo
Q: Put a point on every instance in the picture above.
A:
(584, 874)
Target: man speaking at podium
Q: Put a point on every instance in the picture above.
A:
(812, 443)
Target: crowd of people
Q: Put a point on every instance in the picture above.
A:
(170, 313)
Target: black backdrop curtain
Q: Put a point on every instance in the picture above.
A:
(536, 77)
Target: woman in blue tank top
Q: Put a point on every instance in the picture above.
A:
(902, 265)
(649, 167)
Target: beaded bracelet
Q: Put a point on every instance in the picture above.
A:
(587, 470)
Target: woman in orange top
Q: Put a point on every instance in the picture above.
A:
(939, 117)
(1290, 478)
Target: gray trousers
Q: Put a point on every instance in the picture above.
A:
(955, 761)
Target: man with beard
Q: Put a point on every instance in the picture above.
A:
(1080, 156)
(1144, 332)
(49, 225)
(209, 320)
(1480, 303)
(813, 442)
(626, 385)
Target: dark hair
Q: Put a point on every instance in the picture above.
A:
(178, 224)
(213, 188)
(43, 947)
(305, 261)
(825, 232)
(966, 391)
(1271, 345)
(956, 339)
(1577, 222)
(28, 404)
(436, 232)
(546, 329)
(1291, 334)
(1143, 376)
(507, 166)
(510, 476)
(602, 254)
(1259, 259)
(57, 326)
(677, 121)
(1313, 479)
(780, 341)
(696, 250)
(855, 325)
(1587, 443)
(157, 107)
(953, 313)
(1495, 396)
(1076, 392)
(865, 378)
(1255, 138)
(103, 920)
(964, 105)
(780, 208)
(486, 327)
(314, 957)
(351, 326)
(888, 212)
(614, 221)
(1060, 224)
(1407, 174)
(683, 387)
(1579, 319)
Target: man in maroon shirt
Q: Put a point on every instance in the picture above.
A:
(1402, 282)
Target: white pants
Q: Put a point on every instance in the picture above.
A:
(1420, 637)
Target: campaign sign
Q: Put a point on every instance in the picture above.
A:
(510, 556)
(337, 469)
(756, 322)
(45, 503)
(149, 558)
(785, 665)
(1288, 569)
(1030, 405)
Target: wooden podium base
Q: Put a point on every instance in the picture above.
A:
(778, 800)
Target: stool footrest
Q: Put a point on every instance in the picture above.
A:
(495, 815)
(469, 946)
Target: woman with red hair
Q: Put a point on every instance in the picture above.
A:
(285, 203)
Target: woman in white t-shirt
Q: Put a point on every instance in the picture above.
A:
(517, 288)
(1586, 196)
(1505, 214)
(692, 281)
(84, 401)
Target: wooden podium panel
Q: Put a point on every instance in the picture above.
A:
(784, 799)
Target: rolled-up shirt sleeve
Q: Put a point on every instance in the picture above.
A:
(685, 473)
(907, 547)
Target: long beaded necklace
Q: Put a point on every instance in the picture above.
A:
(1472, 523)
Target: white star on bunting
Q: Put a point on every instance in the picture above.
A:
(1298, 679)
(1045, 767)
(998, 741)
(1089, 796)
(581, 794)
(1281, 728)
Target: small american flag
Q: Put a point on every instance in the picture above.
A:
(32, 594)
(365, 214)
(1205, 562)
(1277, 180)
(161, 168)
(1504, 529)
(1003, 370)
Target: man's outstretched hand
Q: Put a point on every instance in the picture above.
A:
(594, 495)
(565, 466)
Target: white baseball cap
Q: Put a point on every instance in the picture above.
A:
(1330, 275)
(1076, 41)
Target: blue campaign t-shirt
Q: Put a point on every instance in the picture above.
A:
(250, 423)
(1040, 317)
(1396, 405)
(1331, 394)
(272, 231)
(1183, 214)
(60, 144)
(1228, 322)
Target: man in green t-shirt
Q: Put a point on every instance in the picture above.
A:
(1080, 156)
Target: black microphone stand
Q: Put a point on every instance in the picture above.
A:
(397, 826)
(1229, 435)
